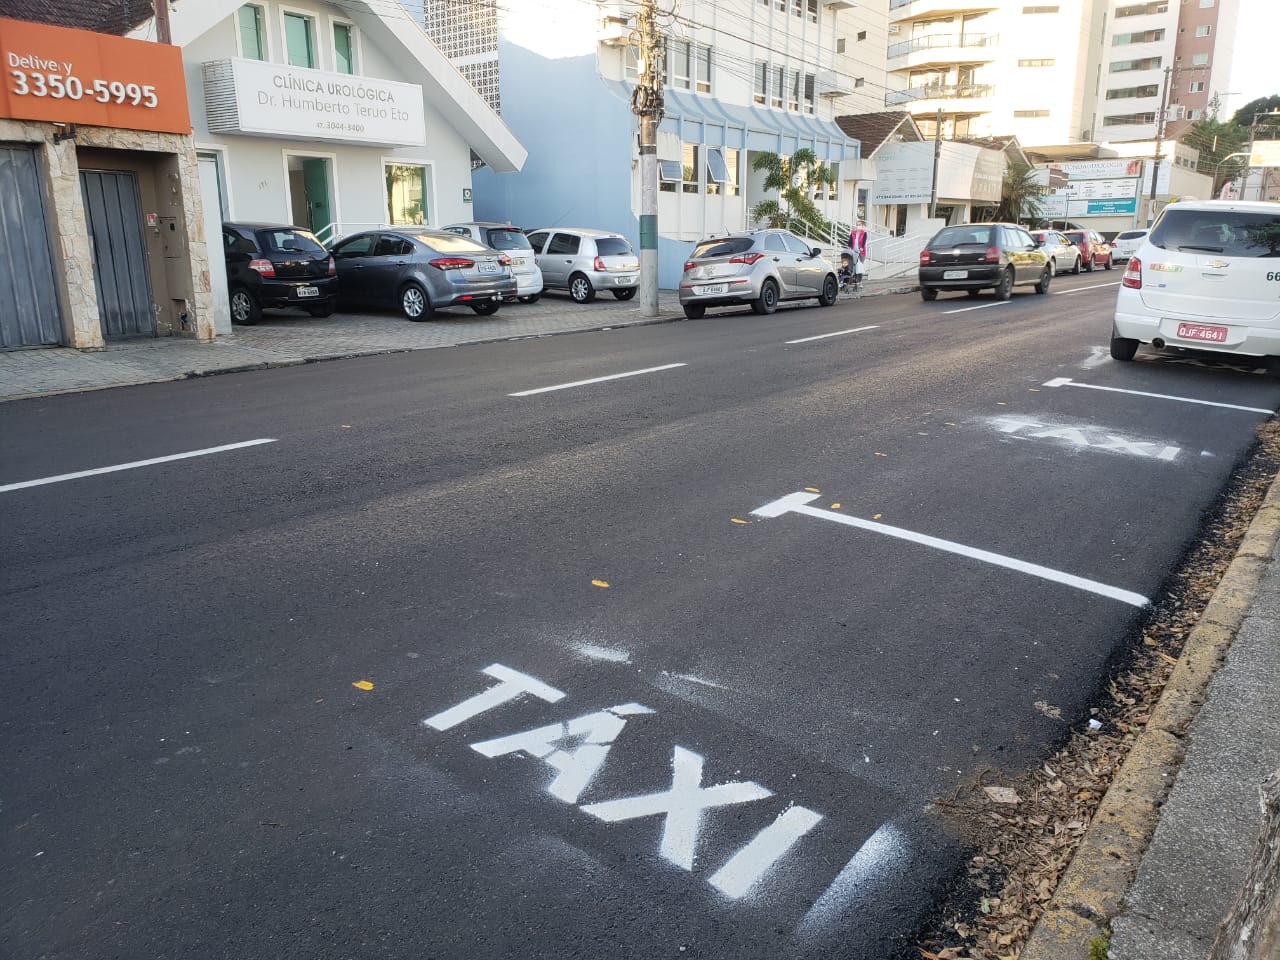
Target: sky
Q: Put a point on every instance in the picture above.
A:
(1253, 72)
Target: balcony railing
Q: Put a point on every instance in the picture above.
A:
(934, 40)
(941, 91)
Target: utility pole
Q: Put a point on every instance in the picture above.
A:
(646, 104)
(1155, 166)
(163, 33)
(937, 155)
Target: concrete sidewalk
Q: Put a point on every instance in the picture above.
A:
(285, 338)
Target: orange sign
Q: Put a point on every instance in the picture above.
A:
(75, 76)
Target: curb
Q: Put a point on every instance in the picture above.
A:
(1092, 890)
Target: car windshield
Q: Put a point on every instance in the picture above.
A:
(1235, 233)
(1131, 235)
(962, 236)
(723, 247)
(613, 247)
(291, 241)
(511, 239)
(1075, 236)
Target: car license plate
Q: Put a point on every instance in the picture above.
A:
(487, 266)
(1202, 331)
(308, 291)
(954, 274)
(712, 289)
(627, 280)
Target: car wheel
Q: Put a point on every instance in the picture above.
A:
(1076, 268)
(1004, 290)
(1052, 266)
(488, 308)
(531, 298)
(626, 293)
(580, 289)
(414, 303)
(324, 310)
(1043, 285)
(694, 311)
(1122, 348)
(244, 308)
(1109, 259)
(929, 294)
(1088, 265)
(830, 290)
(767, 302)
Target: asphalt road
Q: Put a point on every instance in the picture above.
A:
(663, 665)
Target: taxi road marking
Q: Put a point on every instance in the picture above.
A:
(1068, 382)
(799, 503)
(583, 383)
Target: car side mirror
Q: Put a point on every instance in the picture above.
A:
(815, 252)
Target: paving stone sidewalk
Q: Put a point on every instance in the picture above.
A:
(285, 338)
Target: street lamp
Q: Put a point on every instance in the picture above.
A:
(1217, 167)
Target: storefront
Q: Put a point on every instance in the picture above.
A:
(100, 215)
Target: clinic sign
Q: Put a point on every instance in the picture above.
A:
(274, 100)
(59, 75)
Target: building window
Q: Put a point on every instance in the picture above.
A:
(793, 91)
(253, 39)
(631, 63)
(678, 64)
(1044, 62)
(1142, 36)
(731, 163)
(1205, 4)
(1129, 120)
(1204, 30)
(1029, 114)
(689, 66)
(809, 81)
(702, 68)
(862, 34)
(343, 49)
(840, 45)
(797, 7)
(1194, 114)
(811, 10)
(1199, 59)
(299, 40)
(1124, 66)
(669, 174)
(1125, 93)
(1195, 86)
(761, 74)
(1041, 9)
(1142, 9)
(408, 187)
(778, 82)
(689, 168)
(717, 170)
(858, 81)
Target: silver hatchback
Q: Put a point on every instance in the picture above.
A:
(760, 268)
(511, 241)
(586, 261)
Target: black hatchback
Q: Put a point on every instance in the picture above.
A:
(977, 256)
(269, 265)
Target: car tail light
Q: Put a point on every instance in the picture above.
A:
(689, 265)
(264, 267)
(598, 265)
(452, 263)
(992, 255)
(924, 258)
(1133, 274)
(504, 260)
(333, 267)
(748, 258)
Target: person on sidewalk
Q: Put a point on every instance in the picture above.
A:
(858, 245)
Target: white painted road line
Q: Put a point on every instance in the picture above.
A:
(130, 466)
(799, 503)
(981, 306)
(583, 383)
(1096, 286)
(838, 333)
(1068, 382)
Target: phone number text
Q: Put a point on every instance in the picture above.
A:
(24, 83)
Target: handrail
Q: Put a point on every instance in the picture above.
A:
(932, 40)
(940, 91)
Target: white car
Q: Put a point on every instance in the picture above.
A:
(1207, 277)
(1126, 244)
(511, 241)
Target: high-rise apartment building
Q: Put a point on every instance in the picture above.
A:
(1187, 43)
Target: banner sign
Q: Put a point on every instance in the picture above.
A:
(60, 75)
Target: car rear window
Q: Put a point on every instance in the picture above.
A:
(1075, 236)
(451, 244)
(960, 236)
(1131, 235)
(613, 247)
(511, 239)
(1235, 233)
(291, 241)
(723, 247)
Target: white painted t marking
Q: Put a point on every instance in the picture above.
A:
(683, 805)
(130, 466)
(799, 503)
(1068, 382)
(838, 333)
(981, 306)
(765, 849)
(513, 684)
(583, 383)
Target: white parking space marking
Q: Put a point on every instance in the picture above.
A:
(1096, 286)
(1068, 382)
(799, 503)
(875, 862)
(838, 333)
(583, 383)
(134, 465)
(981, 306)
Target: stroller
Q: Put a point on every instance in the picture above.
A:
(850, 273)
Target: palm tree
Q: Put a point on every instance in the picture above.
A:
(1019, 194)
(796, 179)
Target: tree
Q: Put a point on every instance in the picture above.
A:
(1216, 140)
(1019, 194)
(796, 179)
(1244, 116)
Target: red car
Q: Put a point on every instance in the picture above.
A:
(1094, 251)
